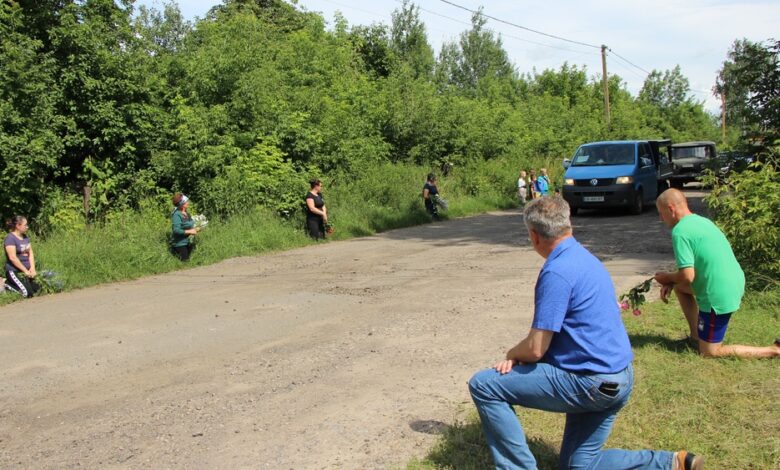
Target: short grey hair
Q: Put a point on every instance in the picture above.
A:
(548, 216)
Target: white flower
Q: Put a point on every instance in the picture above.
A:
(200, 220)
(441, 202)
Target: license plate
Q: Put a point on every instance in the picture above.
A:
(593, 198)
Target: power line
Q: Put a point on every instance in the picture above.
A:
(439, 14)
(691, 90)
(502, 34)
(520, 26)
(630, 70)
(546, 34)
(627, 61)
(376, 14)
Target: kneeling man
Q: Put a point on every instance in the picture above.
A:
(576, 359)
(709, 283)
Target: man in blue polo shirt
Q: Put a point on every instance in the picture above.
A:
(576, 359)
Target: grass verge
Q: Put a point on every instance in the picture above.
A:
(724, 409)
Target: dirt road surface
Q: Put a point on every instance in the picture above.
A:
(340, 355)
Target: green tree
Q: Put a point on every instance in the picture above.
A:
(666, 90)
(372, 43)
(750, 80)
(410, 41)
(107, 97)
(164, 32)
(569, 81)
(476, 62)
(666, 102)
(30, 145)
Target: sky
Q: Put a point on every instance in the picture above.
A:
(642, 35)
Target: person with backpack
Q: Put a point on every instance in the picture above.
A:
(543, 183)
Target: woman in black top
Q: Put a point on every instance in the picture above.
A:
(429, 194)
(316, 212)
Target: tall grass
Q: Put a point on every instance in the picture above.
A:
(136, 244)
(724, 409)
(132, 244)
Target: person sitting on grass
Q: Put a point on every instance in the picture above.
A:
(709, 283)
(19, 258)
(576, 359)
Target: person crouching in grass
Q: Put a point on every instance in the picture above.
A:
(19, 258)
(183, 227)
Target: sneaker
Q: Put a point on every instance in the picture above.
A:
(687, 461)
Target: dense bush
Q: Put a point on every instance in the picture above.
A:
(746, 206)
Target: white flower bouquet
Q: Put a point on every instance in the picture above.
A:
(441, 202)
(200, 220)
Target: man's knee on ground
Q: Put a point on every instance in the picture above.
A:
(711, 349)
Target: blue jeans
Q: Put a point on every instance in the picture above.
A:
(589, 416)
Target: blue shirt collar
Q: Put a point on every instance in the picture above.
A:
(561, 247)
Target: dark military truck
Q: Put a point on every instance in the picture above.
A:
(691, 159)
(625, 173)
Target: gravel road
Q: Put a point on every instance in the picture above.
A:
(348, 354)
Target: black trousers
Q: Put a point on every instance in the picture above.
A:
(22, 284)
(430, 207)
(316, 228)
(183, 252)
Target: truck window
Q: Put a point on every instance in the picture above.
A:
(689, 152)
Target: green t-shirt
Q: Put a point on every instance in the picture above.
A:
(719, 282)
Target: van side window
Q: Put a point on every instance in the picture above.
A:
(645, 157)
(663, 155)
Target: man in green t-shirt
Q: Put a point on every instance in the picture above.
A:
(709, 283)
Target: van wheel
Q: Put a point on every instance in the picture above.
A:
(573, 211)
(639, 204)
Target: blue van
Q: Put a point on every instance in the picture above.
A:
(622, 173)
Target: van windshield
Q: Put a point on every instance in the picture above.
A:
(604, 154)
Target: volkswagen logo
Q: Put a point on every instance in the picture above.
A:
(594, 182)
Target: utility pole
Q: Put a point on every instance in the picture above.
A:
(606, 83)
(723, 116)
